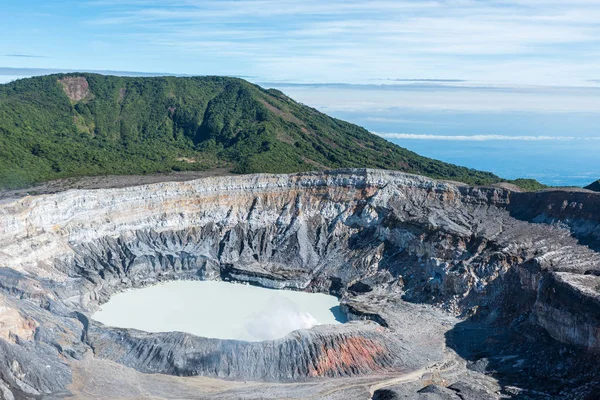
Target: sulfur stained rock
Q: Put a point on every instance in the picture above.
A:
(408, 256)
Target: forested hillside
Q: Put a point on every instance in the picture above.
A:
(59, 126)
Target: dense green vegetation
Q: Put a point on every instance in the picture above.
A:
(86, 124)
(528, 184)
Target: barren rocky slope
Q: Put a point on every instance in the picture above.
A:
(480, 290)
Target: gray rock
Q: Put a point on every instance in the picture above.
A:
(408, 256)
(436, 392)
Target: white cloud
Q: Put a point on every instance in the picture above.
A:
(480, 138)
(9, 78)
(393, 100)
(543, 42)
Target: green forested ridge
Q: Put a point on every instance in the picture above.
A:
(126, 125)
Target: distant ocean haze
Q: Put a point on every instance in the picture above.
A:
(548, 134)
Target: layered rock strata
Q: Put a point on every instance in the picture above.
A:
(406, 254)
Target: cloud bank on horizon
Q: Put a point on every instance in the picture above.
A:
(540, 42)
(482, 138)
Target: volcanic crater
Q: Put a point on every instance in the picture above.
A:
(450, 290)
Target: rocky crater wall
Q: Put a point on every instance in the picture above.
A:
(359, 234)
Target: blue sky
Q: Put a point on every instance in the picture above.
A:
(531, 42)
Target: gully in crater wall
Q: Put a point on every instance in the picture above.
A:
(375, 239)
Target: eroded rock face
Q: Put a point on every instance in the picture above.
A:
(376, 239)
(303, 354)
(76, 87)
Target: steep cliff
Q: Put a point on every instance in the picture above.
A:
(410, 257)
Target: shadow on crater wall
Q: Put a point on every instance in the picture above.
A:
(526, 362)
